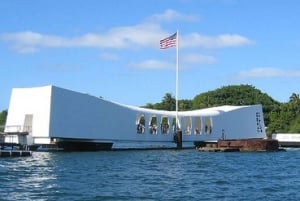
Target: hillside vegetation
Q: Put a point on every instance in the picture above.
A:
(279, 117)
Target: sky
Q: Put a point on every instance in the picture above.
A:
(110, 48)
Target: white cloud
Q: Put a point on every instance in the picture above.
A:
(28, 41)
(219, 41)
(153, 64)
(270, 72)
(146, 34)
(185, 60)
(172, 15)
(116, 38)
(198, 59)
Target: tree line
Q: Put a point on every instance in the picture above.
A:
(278, 117)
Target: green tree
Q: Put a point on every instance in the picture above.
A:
(184, 105)
(286, 117)
(3, 116)
(168, 102)
(295, 125)
(294, 98)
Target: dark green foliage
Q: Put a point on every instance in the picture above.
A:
(169, 103)
(279, 117)
(3, 116)
(185, 105)
(295, 125)
(233, 95)
(286, 117)
(236, 95)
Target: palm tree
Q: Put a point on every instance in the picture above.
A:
(294, 98)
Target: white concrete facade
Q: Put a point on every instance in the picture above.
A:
(49, 112)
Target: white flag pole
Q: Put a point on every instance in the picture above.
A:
(177, 61)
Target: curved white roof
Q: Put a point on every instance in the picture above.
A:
(213, 111)
(203, 112)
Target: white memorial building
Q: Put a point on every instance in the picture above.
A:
(49, 115)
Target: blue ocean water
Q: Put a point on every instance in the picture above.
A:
(151, 175)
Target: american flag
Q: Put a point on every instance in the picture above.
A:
(168, 42)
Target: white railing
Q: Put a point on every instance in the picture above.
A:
(17, 128)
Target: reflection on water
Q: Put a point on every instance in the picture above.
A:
(24, 177)
(151, 175)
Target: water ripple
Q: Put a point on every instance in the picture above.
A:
(151, 175)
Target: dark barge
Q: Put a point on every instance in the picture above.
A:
(239, 145)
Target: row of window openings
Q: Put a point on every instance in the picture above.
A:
(164, 125)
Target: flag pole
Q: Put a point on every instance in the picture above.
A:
(178, 132)
(166, 43)
(177, 69)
